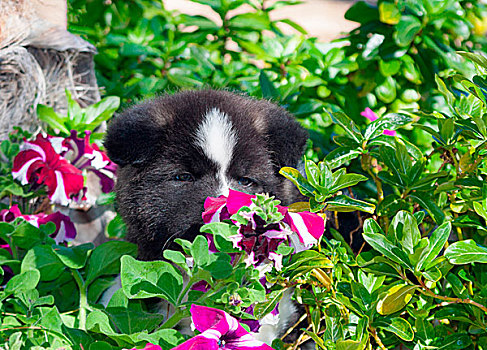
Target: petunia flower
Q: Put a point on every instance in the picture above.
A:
(149, 346)
(38, 162)
(219, 330)
(85, 156)
(259, 238)
(370, 115)
(65, 230)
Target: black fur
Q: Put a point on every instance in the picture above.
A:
(154, 142)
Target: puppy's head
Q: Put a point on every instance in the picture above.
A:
(174, 151)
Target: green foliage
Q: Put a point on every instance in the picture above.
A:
(419, 282)
(77, 118)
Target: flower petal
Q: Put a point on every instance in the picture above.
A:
(246, 342)
(390, 132)
(9, 215)
(237, 200)
(369, 114)
(213, 208)
(277, 258)
(65, 230)
(200, 342)
(205, 318)
(308, 226)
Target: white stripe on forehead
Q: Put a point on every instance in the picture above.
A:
(217, 139)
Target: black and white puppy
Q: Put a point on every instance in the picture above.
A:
(176, 150)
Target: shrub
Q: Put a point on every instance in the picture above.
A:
(414, 170)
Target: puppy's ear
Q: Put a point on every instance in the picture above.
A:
(132, 137)
(286, 139)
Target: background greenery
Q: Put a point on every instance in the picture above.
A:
(418, 283)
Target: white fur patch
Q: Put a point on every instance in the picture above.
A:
(217, 139)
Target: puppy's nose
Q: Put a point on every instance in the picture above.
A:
(223, 190)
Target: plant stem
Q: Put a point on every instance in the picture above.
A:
(83, 299)
(377, 339)
(429, 292)
(172, 321)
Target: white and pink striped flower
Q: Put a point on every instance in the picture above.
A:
(65, 230)
(39, 163)
(219, 330)
(258, 238)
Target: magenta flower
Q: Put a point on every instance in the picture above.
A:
(258, 238)
(149, 346)
(38, 162)
(370, 115)
(65, 230)
(85, 156)
(219, 330)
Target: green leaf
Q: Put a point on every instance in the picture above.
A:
(479, 59)
(362, 12)
(422, 199)
(386, 92)
(54, 120)
(347, 124)
(389, 68)
(199, 251)
(389, 13)
(396, 299)
(219, 265)
(298, 180)
(105, 259)
(267, 88)
(147, 279)
(43, 259)
(101, 111)
(23, 282)
(466, 252)
(437, 241)
(116, 228)
(375, 237)
(342, 180)
(344, 203)
(391, 121)
(340, 156)
(405, 229)
(454, 341)
(397, 326)
(272, 298)
(222, 232)
(250, 21)
(406, 30)
(73, 257)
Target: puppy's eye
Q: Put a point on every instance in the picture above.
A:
(185, 177)
(245, 181)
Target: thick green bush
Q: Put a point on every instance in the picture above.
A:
(396, 112)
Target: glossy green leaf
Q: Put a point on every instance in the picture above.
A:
(348, 126)
(396, 299)
(466, 252)
(407, 28)
(298, 180)
(397, 326)
(391, 121)
(389, 13)
(344, 203)
(375, 237)
(340, 156)
(437, 241)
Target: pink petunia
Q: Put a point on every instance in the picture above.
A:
(219, 330)
(149, 346)
(370, 115)
(85, 156)
(65, 230)
(258, 238)
(38, 162)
